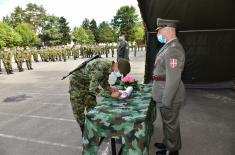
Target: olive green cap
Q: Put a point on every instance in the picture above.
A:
(161, 23)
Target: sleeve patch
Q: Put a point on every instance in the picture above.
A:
(173, 63)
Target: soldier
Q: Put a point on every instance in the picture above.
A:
(64, 54)
(84, 85)
(19, 59)
(35, 55)
(7, 61)
(1, 56)
(123, 49)
(28, 59)
(168, 89)
(135, 49)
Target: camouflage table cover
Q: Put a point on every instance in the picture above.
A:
(131, 119)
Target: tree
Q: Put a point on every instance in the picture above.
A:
(35, 15)
(82, 36)
(105, 33)
(27, 34)
(139, 34)
(86, 24)
(16, 17)
(51, 31)
(91, 37)
(8, 37)
(64, 30)
(125, 21)
(93, 27)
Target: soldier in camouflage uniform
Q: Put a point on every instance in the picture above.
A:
(1, 56)
(19, 59)
(64, 54)
(28, 59)
(7, 61)
(84, 86)
(35, 53)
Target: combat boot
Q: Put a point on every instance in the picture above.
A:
(160, 146)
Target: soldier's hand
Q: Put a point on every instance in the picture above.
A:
(116, 94)
(114, 89)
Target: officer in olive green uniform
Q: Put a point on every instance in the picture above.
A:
(168, 89)
(123, 48)
(84, 85)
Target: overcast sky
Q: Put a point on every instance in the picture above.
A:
(73, 10)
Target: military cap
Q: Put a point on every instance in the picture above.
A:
(161, 23)
(124, 66)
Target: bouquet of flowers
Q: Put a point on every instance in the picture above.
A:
(129, 81)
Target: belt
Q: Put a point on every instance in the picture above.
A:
(158, 78)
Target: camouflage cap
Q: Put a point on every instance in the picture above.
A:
(124, 66)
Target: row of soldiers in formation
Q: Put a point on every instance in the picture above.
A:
(58, 53)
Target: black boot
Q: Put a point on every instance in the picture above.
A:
(160, 146)
(82, 128)
(174, 153)
(165, 152)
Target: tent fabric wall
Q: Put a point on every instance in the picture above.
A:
(206, 30)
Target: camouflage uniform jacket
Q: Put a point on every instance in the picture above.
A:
(97, 74)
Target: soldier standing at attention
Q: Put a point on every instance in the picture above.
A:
(7, 61)
(28, 59)
(168, 89)
(1, 56)
(18, 55)
(84, 85)
(123, 49)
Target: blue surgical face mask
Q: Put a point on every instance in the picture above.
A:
(161, 39)
(116, 74)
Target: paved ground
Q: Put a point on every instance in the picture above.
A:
(36, 117)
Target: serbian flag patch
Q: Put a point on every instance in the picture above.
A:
(173, 63)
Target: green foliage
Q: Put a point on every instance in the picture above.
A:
(16, 17)
(35, 15)
(8, 37)
(51, 31)
(27, 34)
(93, 27)
(64, 30)
(91, 37)
(105, 33)
(125, 21)
(139, 34)
(86, 24)
(83, 36)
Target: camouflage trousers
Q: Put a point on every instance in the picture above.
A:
(29, 64)
(35, 57)
(80, 98)
(8, 66)
(19, 65)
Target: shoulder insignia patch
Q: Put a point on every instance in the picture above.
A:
(173, 63)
